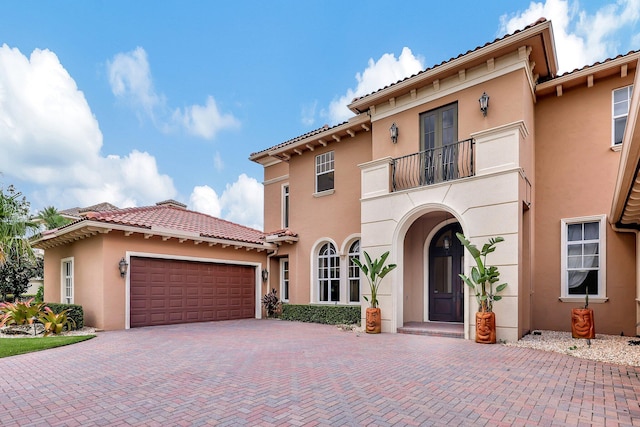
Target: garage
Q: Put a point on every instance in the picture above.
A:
(168, 291)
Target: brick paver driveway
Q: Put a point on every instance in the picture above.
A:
(260, 372)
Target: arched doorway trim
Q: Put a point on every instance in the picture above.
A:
(397, 248)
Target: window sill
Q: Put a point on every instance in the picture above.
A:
(580, 300)
(616, 147)
(324, 193)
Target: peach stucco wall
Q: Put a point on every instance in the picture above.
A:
(275, 176)
(98, 286)
(506, 105)
(332, 217)
(575, 176)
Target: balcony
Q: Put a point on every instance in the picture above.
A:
(433, 166)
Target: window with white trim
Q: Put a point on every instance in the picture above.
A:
(620, 110)
(324, 172)
(66, 281)
(328, 274)
(354, 272)
(584, 257)
(285, 206)
(284, 279)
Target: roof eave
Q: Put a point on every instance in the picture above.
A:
(543, 29)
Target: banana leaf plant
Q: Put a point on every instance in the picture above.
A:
(374, 271)
(483, 277)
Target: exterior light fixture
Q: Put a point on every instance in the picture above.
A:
(484, 103)
(393, 130)
(123, 265)
(265, 275)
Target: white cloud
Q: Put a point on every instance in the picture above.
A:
(131, 80)
(308, 113)
(241, 202)
(49, 136)
(205, 121)
(378, 74)
(218, 164)
(581, 39)
(205, 199)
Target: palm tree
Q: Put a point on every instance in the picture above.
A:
(15, 226)
(51, 218)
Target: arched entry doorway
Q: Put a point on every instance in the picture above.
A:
(446, 262)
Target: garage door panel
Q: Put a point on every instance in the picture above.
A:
(175, 291)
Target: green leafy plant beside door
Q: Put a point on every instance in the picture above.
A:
(374, 271)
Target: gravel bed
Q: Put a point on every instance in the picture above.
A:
(604, 348)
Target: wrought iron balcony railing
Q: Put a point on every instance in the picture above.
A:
(432, 166)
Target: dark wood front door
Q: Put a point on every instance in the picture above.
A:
(446, 292)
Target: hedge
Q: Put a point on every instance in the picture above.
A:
(326, 314)
(75, 312)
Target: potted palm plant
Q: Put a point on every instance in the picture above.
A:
(482, 281)
(374, 271)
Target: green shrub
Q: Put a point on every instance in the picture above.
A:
(75, 313)
(326, 314)
(40, 294)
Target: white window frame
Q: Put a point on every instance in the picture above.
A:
(602, 262)
(67, 279)
(331, 269)
(614, 117)
(324, 164)
(285, 289)
(286, 208)
(353, 272)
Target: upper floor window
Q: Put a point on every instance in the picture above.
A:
(328, 274)
(620, 108)
(583, 257)
(285, 206)
(439, 127)
(324, 172)
(67, 281)
(354, 272)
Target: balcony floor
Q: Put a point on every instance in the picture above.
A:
(436, 329)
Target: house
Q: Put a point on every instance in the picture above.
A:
(155, 265)
(490, 143)
(493, 142)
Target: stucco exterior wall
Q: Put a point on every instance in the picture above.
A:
(575, 176)
(275, 176)
(331, 217)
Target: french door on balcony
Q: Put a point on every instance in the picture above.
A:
(446, 289)
(438, 137)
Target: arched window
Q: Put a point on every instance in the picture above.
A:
(354, 272)
(328, 274)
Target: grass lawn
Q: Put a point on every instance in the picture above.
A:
(13, 346)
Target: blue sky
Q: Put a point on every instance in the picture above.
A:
(137, 102)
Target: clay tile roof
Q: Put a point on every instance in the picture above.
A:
(297, 138)
(100, 207)
(586, 67)
(170, 218)
(538, 22)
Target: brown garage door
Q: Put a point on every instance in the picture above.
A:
(167, 291)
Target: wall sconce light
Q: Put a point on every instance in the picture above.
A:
(484, 103)
(123, 265)
(265, 275)
(393, 130)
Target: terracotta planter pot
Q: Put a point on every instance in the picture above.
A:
(485, 328)
(582, 323)
(373, 321)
